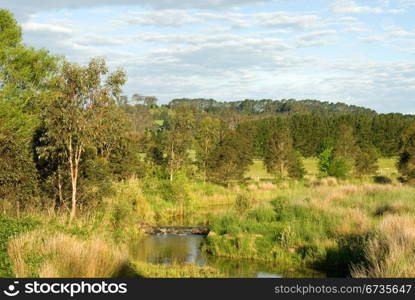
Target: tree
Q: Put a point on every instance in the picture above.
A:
(149, 101)
(338, 161)
(366, 158)
(26, 75)
(10, 33)
(296, 168)
(324, 159)
(207, 136)
(280, 157)
(18, 179)
(176, 139)
(332, 165)
(230, 158)
(345, 143)
(74, 119)
(406, 163)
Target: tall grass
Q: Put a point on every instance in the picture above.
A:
(38, 254)
(331, 226)
(391, 252)
(175, 271)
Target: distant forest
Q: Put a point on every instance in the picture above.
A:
(313, 123)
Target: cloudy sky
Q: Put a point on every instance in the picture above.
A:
(360, 52)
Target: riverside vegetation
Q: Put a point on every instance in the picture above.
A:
(84, 169)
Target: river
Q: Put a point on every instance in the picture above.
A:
(173, 248)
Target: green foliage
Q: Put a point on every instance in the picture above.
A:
(231, 158)
(174, 191)
(207, 138)
(296, 168)
(168, 145)
(325, 158)
(8, 229)
(382, 180)
(280, 157)
(242, 203)
(339, 167)
(10, 33)
(345, 143)
(18, 178)
(366, 159)
(83, 115)
(262, 214)
(406, 163)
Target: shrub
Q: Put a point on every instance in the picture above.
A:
(262, 214)
(390, 208)
(296, 168)
(279, 204)
(382, 180)
(339, 168)
(243, 203)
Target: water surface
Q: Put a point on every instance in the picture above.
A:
(171, 248)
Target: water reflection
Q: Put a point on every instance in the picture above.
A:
(169, 248)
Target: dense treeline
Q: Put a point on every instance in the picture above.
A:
(267, 106)
(67, 130)
(312, 121)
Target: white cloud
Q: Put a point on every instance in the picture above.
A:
(31, 26)
(351, 7)
(317, 34)
(161, 18)
(173, 48)
(285, 20)
(24, 8)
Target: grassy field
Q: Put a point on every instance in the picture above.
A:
(339, 227)
(257, 171)
(306, 226)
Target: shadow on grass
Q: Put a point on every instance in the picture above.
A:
(126, 270)
(339, 259)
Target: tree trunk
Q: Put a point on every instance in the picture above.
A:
(73, 200)
(60, 193)
(74, 159)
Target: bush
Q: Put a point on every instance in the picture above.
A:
(296, 168)
(382, 180)
(339, 168)
(262, 214)
(279, 204)
(243, 203)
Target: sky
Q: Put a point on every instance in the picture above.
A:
(359, 52)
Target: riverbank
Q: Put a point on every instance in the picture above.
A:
(339, 228)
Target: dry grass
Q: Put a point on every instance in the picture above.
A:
(329, 181)
(267, 186)
(252, 187)
(358, 222)
(236, 188)
(391, 252)
(390, 208)
(38, 254)
(175, 271)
